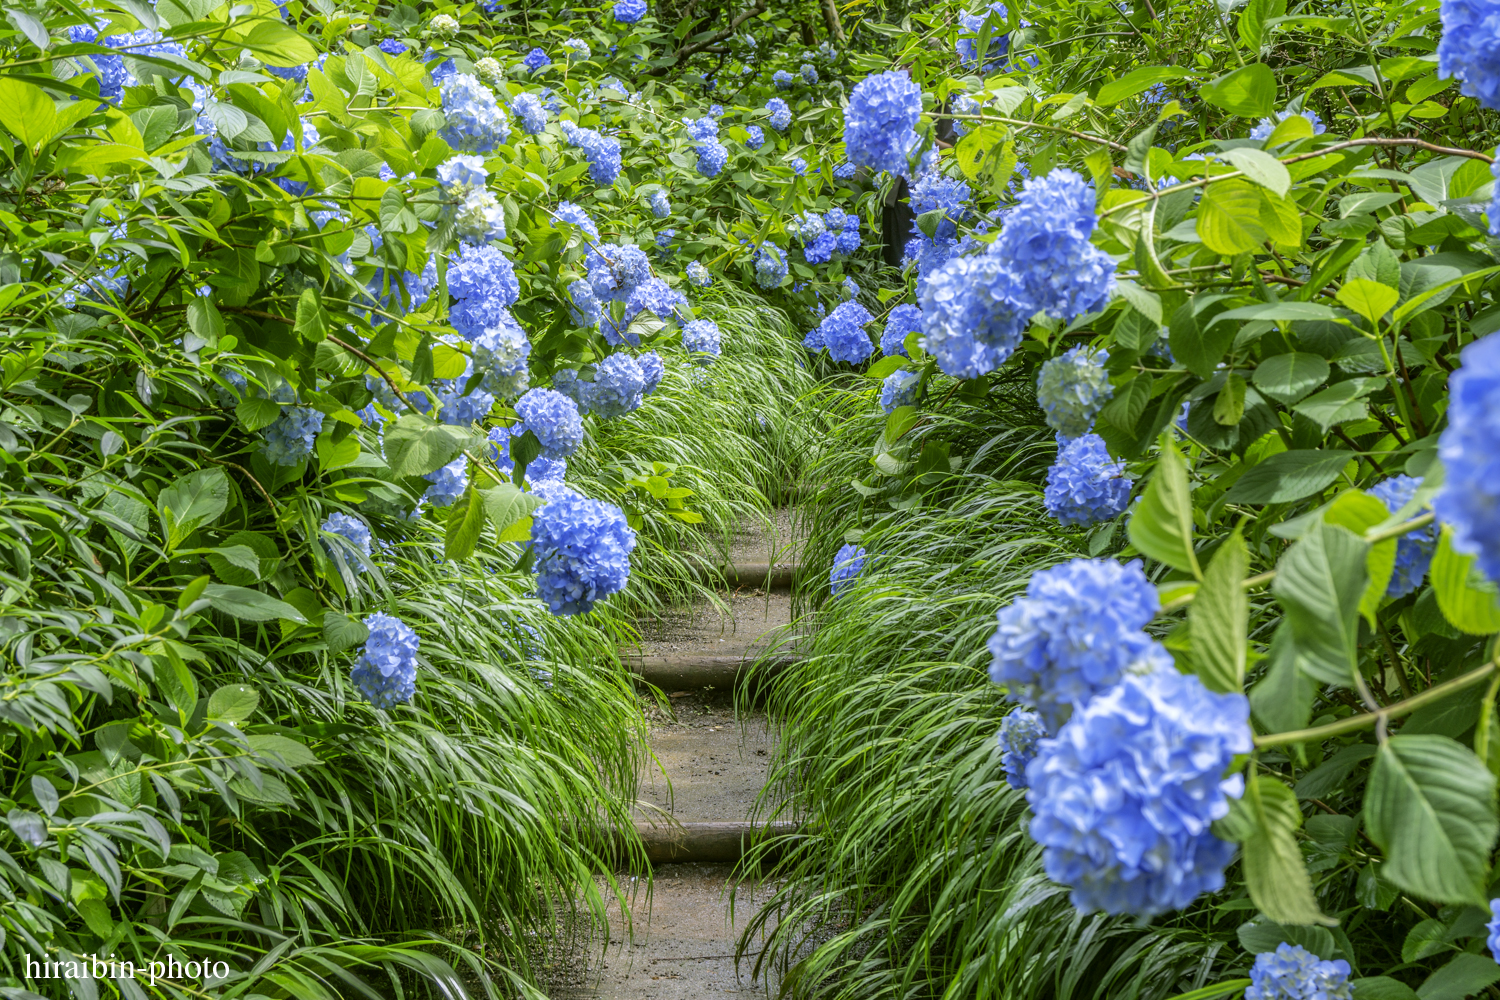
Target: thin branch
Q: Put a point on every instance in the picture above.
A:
(692, 48)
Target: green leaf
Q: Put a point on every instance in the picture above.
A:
(928, 222)
(1249, 91)
(416, 445)
(1339, 403)
(233, 702)
(26, 111)
(287, 750)
(1261, 167)
(1430, 805)
(1197, 342)
(507, 507)
(1289, 310)
(1329, 776)
(1282, 699)
(1382, 988)
(194, 501)
(1219, 618)
(1287, 378)
(312, 321)
(256, 412)
(1288, 476)
(1359, 512)
(1371, 299)
(886, 366)
(465, 526)
(1229, 405)
(1162, 524)
(1469, 600)
(333, 456)
(1319, 583)
(239, 572)
(206, 324)
(1137, 81)
(1264, 822)
(277, 44)
(342, 632)
(1251, 26)
(249, 605)
(1229, 218)
(1465, 975)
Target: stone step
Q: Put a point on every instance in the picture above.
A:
(684, 671)
(753, 575)
(713, 841)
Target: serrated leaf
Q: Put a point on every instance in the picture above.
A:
(465, 526)
(1161, 525)
(255, 412)
(416, 445)
(1359, 512)
(1288, 476)
(1469, 600)
(249, 605)
(1430, 805)
(1319, 583)
(1219, 618)
(233, 702)
(342, 632)
(1229, 218)
(1371, 299)
(192, 502)
(1137, 81)
(1249, 91)
(1261, 167)
(1287, 378)
(1264, 822)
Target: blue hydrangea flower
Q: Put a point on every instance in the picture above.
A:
(1414, 549)
(712, 155)
(536, 60)
(783, 80)
(809, 74)
(754, 137)
(618, 386)
(698, 275)
(533, 115)
(701, 336)
(1469, 499)
(1077, 631)
(569, 212)
(664, 241)
(554, 419)
(586, 309)
(653, 368)
(798, 165)
(844, 170)
(474, 122)
(702, 129)
(1086, 486)
(934, 191)
(903, 321)
(972, 316)
(1266, 126)
(660, 206)
(289, 440)
(880, 121)
(483, 283)
(460, 172)
(1468, 49)
(1291, 972)
(781, 115)
(1072, 388)
(629, 11)
(963, 104)
(352, 530)
(582, 551)
(601, 151)
(448, 483)
(1046, 238)
(845, 227)
(973, 25)
(577, 49)
(478, 217)
(1019, 734)
(822, 248)
(770, 266)
(392, 46)
(1494, 928)
(500, 353)
(386, 670)
(847, 564)
(842, 331)
(898, 389)
(460, 409)
(1124, 796)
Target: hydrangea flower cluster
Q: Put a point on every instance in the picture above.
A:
(536, 60)
(1020, 731)
(755, 137)
(582, 551)
(448, 483)
(1494, 930)
(528, 108)
(781, 115)
(483, 283)
(1266, 126)
(770, 266)
(476, 213)
(386, 670)
(114, 75)
(712, 156)
(973, 25)
(353, 530)
(701, 336)
(576, 50)
(848, 563)
(1468, 51)
(845, 228)
(1072, 388)
(783, 80)
(474, 122)
(554, 419)
(629, 11)
(290, 438)
(975, 308)
(602, 151)
(898, 389)
(1078, 630)
(935, 191)
(842, 331)
(1085, 486)
(660, 206)
(1414, 549)
(698, 275)
(653, 369)
(1291, 972)
(809, 74)
(880, 122)
(963, 104)
(1469, 500)
(574, 214)
(458, 408)
(903, 321)
(618, 386)
(1123, 798)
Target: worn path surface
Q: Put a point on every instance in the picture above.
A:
(710, 765)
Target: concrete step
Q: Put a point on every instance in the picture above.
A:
(753, 575)
(712, 841)
(684, 671)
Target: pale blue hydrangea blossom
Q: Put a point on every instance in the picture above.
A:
(898, 389)
(880, 121)
(554, 419)
(698, 275)
(781, 115)
(1085, 486)
(1291, 972)
(653, 369)
(475, 123)
(533, 115)
(618, 386)
(770, 266)
(582, 551)
(448, 483)
(1266, 126)
(1469, 499)
(386, 670)
(754, 137)
(1470, 48)
(354, 531)
(1020, 731)
(661, 207)
(904, 320)
(848, 563)
(1414, 549)
(842, 333)
(701, 336)
(629, 11)
(782, 79)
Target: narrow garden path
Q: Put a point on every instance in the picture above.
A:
(711, 761)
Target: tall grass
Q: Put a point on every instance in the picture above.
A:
(914, 877)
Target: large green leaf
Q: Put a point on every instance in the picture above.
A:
(1249, 91)
(1161, 525)
(1319, 583)
(1264, 822)
(1219, 616)
(1282, 699)
(1464, 975)
(26, 111)
(1229, 218)
(250, 605)
(416, 445)
(1288, 476)
(1359, 512)
(1137, 81)
(465, 526)
(1469, 601)
(192, 502)
(1287, 378)
(1430, 805)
